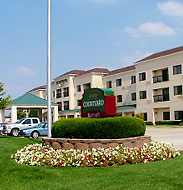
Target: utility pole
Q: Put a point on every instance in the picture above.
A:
(49, 114)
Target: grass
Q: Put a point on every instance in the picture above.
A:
(154, 176)
(163, 125)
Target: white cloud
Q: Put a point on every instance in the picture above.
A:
(157, 29)
(23, 71)
(132, 31)
(171, 8)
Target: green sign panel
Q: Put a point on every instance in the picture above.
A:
(93, 100)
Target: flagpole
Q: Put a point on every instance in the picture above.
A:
(49, 114)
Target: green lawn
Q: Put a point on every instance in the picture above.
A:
(164, 125)
(162, 175)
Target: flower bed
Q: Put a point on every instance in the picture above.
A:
(38, 155)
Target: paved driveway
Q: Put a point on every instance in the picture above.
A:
(167, 134)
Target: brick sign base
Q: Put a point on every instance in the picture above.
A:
(84, 144)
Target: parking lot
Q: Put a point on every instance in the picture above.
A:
(167, 134)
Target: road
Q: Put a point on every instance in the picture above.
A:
(167, 134)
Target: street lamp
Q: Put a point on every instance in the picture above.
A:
(49, 114)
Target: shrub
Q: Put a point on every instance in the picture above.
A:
(181, 124)
(102, 128)
(167, 122)
(148, 122)
(140, 115)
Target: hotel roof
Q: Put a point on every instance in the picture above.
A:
(38, 88)
(73, 72)
(121, 70)
(162, 53)
(95, 70)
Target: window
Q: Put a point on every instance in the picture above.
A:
(86, 86)
(58, 93)
(78, 102)
(79, 88)
(118, 82)
(178, 90)
(109, 84)
(53, 93)
(119, 98)
(178, 115)
(177, 69)
(27, 121)
(35, 121)
(59, 106)
(143, 95)
(66, 105)
(166, 115)
(133, 96)
(145, 116)
(133, 79)
(66, 91)
(142, 76)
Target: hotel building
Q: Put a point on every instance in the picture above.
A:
(152, 86)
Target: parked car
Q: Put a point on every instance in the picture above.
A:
(39, 130)
(14, 128)
(1, 127)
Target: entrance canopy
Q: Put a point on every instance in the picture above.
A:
(29, 101)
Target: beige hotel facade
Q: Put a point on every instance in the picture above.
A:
(153, 86)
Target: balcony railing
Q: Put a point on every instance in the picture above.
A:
(66, 94)
(161, 98)
(160, 78)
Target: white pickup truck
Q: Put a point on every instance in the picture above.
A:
(14, 128)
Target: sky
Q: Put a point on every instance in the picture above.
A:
(85, 34)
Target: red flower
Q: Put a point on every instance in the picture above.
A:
(132, 162)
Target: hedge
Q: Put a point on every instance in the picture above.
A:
(167, 122)
(99, 128)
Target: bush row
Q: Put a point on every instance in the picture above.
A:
(167, 122)
(99, 128)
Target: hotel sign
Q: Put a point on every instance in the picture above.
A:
(94, 103)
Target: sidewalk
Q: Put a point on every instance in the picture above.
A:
(167, 134)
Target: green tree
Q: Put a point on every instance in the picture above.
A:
(20, 114)
(4, 101)
(140, 115)
(33, 113)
